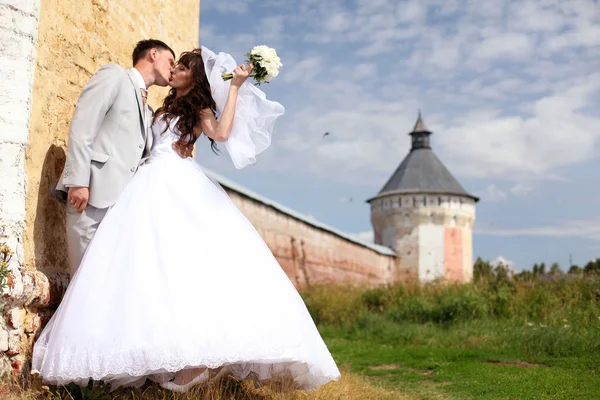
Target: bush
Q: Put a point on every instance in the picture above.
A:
(550, 300)
(459, 304)
(333, 305)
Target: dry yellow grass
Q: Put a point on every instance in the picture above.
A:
(350, 386)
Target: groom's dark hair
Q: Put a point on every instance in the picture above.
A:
(143, 46)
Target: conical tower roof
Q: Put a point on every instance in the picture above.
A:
(420, 125)
(421, 171)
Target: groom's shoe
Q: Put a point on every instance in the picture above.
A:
(202, 378)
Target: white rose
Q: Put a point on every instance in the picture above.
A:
(259, 50)
(272, 71)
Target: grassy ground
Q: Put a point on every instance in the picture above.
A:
(476, 360)
(498, 340)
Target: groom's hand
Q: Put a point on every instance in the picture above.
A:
(78, 197)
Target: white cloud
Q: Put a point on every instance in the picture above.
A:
(267, 30)
(364, 70)
(218, 41)
(364, 236)
(270, 29)
(507, 45)
(500, 260)
(505, 145)
(338, 22)
(521, 189)
(411, 11)
(302, 71)
(493, 194)
(585, 229)
(359, 72)
(535, 16)
(581, 19)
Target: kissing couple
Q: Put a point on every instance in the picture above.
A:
(169, 281)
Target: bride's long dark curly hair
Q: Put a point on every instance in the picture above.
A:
(188, 106)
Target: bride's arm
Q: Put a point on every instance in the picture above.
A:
(219, 130)
(216, 130)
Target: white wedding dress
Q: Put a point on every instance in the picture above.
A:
(176, 277)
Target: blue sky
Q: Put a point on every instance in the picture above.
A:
(511, 90)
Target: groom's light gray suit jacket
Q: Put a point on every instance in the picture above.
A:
(109, 137)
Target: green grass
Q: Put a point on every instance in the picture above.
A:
(539, 341)
(464, 362)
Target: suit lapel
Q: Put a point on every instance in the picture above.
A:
(138, 96)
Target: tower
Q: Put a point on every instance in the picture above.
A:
(425, 215)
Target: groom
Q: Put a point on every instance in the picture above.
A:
(109, 138)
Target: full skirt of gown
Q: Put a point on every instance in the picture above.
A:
(176, 277)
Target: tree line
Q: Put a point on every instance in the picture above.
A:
(484, 270)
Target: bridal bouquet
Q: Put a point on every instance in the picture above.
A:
(266, 64)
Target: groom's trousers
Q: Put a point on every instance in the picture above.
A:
(81, 228)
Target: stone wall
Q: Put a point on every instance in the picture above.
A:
(49, 49)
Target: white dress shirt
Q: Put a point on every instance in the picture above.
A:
(140, 80)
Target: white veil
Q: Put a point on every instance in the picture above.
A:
(254, 115)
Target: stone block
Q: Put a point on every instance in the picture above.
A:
(15, 112)
(32, 323)
(30, 7)
(17, 366)
(15, 317)
(12, 176)
(13, 46)
(3, 340)
(18, 22)
(14, 342)
(14, 133)
(17, 77)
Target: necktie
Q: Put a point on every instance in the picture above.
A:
(144, 95)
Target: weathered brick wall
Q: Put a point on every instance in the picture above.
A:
(310, 255)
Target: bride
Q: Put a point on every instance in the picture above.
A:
(177, 286)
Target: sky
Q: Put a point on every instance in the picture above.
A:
(510, 89)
